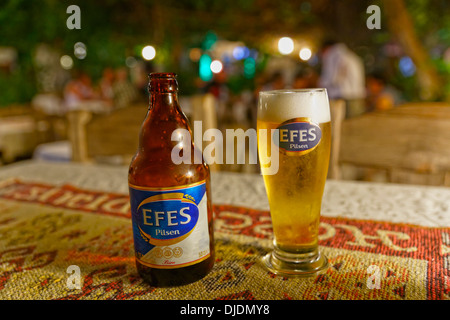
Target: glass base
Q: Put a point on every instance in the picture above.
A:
(295, 265)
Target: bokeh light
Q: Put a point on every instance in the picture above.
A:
(79, 50)
(305, 54)
(216, 66)
(249, 67)
(66, 62)
(205, 72)
(285, 45)
(406, 66)
(131, 62)
(148, 53)
(240, 52)
(195, 54)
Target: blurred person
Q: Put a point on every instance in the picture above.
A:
(305, 78)
(276, 82)
(219, 89)
(343, 76)
(264, 82)
(139, 75)
(123, 90)
(78, 90)
(106, 84)
(241, 109)
(380, 95)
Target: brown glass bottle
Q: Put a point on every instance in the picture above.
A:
(153, 175)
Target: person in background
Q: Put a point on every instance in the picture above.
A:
(343, 76)
(380, 95)
(139, 75)
(78, 90)
(106, 84)
(276, 82)
(123, 90)
(304, 79)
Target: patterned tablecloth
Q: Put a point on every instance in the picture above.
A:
(382, 241)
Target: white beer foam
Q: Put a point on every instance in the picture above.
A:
(283, 105)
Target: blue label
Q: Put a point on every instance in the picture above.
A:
(298, 136)
(165, 217)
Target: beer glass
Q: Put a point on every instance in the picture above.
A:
(294, 128)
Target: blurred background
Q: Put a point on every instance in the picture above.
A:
(80, 94)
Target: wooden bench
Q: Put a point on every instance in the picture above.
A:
(408, 144)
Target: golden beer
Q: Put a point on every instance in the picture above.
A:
(294, 125)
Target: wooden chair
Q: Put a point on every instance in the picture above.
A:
(113, 138)
(110, 138)
(21, 129)
(204, 108)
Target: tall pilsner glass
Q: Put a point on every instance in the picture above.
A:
(294, 128)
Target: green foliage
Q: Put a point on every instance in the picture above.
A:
(115, 29)
(30, 23)
(16, 88)
(432, 24)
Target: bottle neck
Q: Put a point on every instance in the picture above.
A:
(163, 89)
(164, 115)
(165, 102)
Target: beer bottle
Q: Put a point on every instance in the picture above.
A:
(171, 207)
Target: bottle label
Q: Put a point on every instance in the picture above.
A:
(170, 225)
(298, 136)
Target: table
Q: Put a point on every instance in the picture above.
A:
(383, 241)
